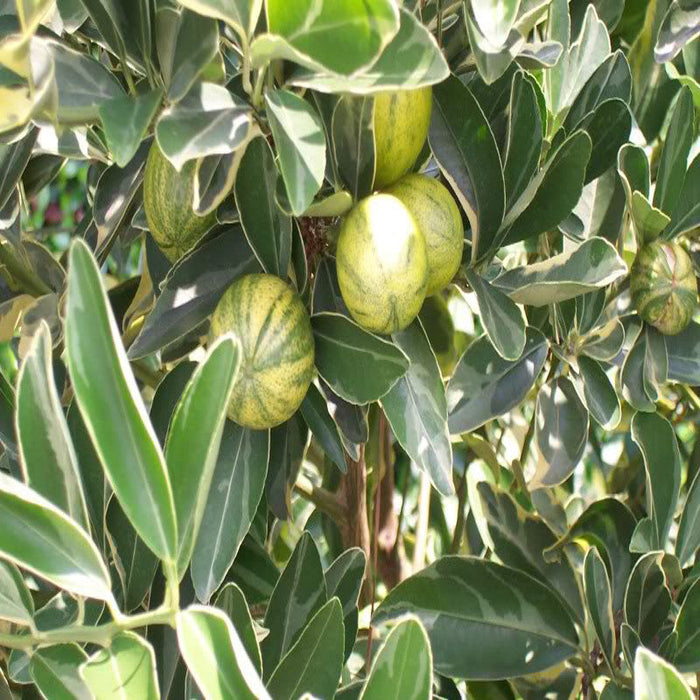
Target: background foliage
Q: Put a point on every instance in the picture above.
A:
(500, 501)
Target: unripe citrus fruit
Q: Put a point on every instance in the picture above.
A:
(382, 264)
(401, 121)
(277, 349)
(663, 286)
(437, 215)
(167, 201)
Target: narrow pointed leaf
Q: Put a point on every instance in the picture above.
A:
(688, 539)
(687, 656)
(599, 602)
(16, 603)
(232, 601)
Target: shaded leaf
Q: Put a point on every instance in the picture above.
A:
(54, 670)
(232, 601)
(599, 602)
(647, 599)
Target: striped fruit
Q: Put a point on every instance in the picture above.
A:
(277, 349)
(401, 121)
(437, 215)
(382, 264)
(663, 286)
(167, 201)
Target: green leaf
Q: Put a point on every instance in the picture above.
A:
(13, 161)
(352, 128)
(647, 599)
(561, 432)
(552, 194)
(267, 228)
(495, 18)
(687, 656)
(209, 120)
(126, 120)
(38, 537)
(411, 60)
(314, 663)
(126, 668)
(194, 437)
(519, 538)
(598, 393)
(417, 410)
(466, 151)
(492, 60)
(403, 667)
(674, 156)
(593, 265)
(657, 441)
(242, 15)
(54, 670)
(656, 679)
(16, 603)
(484, 385)
(301, 146)
(254, 571)
(466, 636)
(503, 321)
(558, 28)
(684, 355)
(300, 592)
(649, 221)
(680, 25)
(215, 655)
(131, 457)
(633, 167)
(232, 601)
(315, 412)
(686, 214)
(236, 489)
(359, 367)
(49, 463)
(342, 38)
(287, 446)
(616, 692)
(599, 602)
(688, 539)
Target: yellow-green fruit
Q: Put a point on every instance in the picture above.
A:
(401, 121)
(277, 349)
(167, 201)
(382, 264)
(437, 215)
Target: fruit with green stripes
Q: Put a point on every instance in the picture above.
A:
(401, 121)
(167, 201)
(382, 264)
(437, 215)
(277, 349)
(663, 286)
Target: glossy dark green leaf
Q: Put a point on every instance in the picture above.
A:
(38, 537)
(232, 601)
(13, 161)
(215, 655)
(599, 602)
(680, 25)
(352, 130)
(298, 595)
(475, 395)
(519, 538)
(647, 599)
(674, 156)
(687, 656)
(267, 227)
(313, 664)
(464, 146)
(593, 265)
(301, 146)
(684, 355)
(609, 128)
(344, 580)
(466, 636)
(416, 409)
(287, 447)
(254, 571)
(638, 386)
(314, 409)
(598, 393)
(54, 670)
(656, 679)
(503, 321)
(657, 441)
(688, 538)
(16, 603)
(132, 458)
(49, 462)
(193, 288)
(359, 366)
(126, 668)
(686, 214)
(403, 666)
(213, 180)
(126, 120)
(236, 490)
(616, 692)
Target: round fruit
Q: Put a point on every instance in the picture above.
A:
(167, 201)
(382, 264)
(277, 349)
(401, 121)
(437, 215)
(663, 286)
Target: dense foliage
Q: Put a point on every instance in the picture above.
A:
(349, 348)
